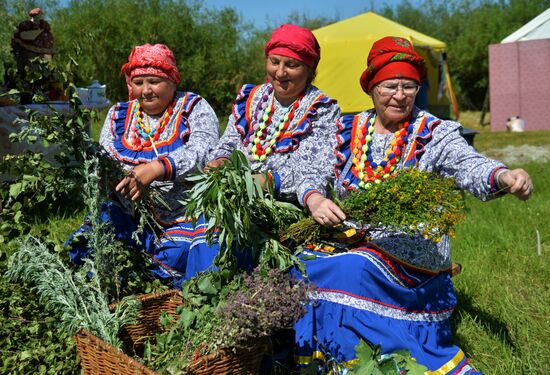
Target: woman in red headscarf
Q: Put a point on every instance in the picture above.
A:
(158, 137)
(286, 126)
(396, 290)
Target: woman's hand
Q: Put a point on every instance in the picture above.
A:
(215, 163)
(324, 211)
(516, 182)
(134, 185)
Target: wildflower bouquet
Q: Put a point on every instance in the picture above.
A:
(413, 202)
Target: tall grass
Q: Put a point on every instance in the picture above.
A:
(503, 315)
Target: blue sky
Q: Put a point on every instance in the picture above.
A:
(273, 12)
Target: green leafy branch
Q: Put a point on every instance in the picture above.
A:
(371, 362)
(240, 213)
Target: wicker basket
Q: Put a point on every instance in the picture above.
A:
(235, 361)
(152, 305)
(98, 358)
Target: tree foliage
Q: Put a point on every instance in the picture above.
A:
(468, 28)
(211, 52)
(217, 52)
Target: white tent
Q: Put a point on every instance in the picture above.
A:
(537, 28)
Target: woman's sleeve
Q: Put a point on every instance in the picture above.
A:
(310, 168)
(230, 140)
(106, 137)
(451, 156)
(203, 137)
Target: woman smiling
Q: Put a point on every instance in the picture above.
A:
(392, 289)
(286, 126)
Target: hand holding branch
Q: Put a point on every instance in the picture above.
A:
(516, 182)
(134, 185)
(324, 211)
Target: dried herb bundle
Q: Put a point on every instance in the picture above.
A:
(263, 305)
(246, 308)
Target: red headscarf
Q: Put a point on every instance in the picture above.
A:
(157, 60)
(296, 42)
(392, 57)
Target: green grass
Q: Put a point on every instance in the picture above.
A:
(503, 315)
(97, 123)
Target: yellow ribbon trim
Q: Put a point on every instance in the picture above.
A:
(446, 368)
(449, 365)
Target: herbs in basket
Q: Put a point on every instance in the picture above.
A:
(249, 309)
(414, 202)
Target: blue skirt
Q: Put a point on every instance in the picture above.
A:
(364, 294)
(179, 254)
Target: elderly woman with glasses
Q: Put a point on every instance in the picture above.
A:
(396, 290)
(159, 137)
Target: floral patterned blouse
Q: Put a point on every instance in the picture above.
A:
(303, 158)
(437, 147)
(189, 135)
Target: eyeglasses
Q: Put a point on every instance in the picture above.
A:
(409, 89)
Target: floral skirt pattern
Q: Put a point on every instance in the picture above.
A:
(180, 252)
(363, 294)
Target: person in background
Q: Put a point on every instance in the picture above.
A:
(32, 46)
(394, 291)
(158, 138)
(286, 125)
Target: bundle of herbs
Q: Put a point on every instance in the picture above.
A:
(76, 298)
(80, 298)
(242, 213)
(123, 269)
(414, 202)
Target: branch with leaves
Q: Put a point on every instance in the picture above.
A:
(240, 213)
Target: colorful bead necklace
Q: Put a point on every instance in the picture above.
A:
(142, 134)
(364, 166)
(266, 136)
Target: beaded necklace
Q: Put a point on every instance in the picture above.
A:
(142, 134)
(364, 167)
(266, 136)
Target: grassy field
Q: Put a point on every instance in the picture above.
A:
(503, 316)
